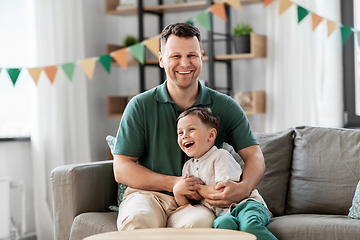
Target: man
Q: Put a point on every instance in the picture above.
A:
(147, 157)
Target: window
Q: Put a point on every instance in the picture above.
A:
(16, 52)
(351, 60)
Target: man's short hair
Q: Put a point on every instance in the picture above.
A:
(204, 114)
(182, 30)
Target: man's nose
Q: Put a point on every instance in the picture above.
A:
(184, 61)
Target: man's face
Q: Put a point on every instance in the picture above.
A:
(182, 60)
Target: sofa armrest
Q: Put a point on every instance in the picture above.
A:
(79, 188)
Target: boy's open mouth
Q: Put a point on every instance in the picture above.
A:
(188, 145)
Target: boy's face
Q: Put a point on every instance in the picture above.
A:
(194, 137)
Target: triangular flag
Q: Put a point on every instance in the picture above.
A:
(14, 74)
(346, 32)
(153, 44)
(331, 26)
(51, 72)
(219, 10)
(88, 65)
(358, 37)
(105, 60)
(204, 19)
(138, 50)
(235, 4)
(302, 13)
(69, 69)
(284, 5)
(35, 74)
(190, 21)
(267, 2)
(120, 56)
(316, 20)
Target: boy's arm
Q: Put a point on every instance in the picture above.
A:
(185, 187)
(206, 190)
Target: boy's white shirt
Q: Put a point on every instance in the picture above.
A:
(214, 166)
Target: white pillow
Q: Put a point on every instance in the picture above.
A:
(355, 208)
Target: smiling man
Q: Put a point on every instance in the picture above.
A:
(147, 157)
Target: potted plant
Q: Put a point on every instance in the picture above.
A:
(241, 37)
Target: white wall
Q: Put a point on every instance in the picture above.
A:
(102, 29)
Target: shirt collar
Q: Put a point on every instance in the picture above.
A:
(203, 99)
(208, 153)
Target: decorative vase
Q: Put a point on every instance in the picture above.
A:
(241, 44)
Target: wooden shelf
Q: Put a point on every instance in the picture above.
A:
(116, 105)
(110, 7)
(253, 102)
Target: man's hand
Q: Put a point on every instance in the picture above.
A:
(229, 192)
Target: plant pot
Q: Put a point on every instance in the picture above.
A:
(241, 44)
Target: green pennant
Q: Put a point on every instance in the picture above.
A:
(105, 60)
(346, 31)
(69, 69)
(138, 50)
(204, 19)
(358, 35)
(190, 21)
(302, 13)
(14, 74)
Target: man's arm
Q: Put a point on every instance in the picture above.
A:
(232, 192)
(132, 174)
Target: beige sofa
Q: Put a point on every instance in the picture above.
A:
(309, 183)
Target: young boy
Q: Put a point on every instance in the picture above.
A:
(197, 129)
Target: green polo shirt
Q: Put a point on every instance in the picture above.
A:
(148, 128)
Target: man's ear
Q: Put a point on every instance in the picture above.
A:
(212, 135)
(160, 60)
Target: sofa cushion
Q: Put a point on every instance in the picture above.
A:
(325, 170)
(314, 227)
(87, 224)
(277, 149)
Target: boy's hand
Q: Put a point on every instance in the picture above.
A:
(187, 186)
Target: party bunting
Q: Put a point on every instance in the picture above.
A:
(69, 69)
(51, 72)
(316, 20)
(267, 2)
(284, 5)
(153, 44)
(138, 50)
(14, 74)
(105, 61)
(120, 56)
(346, 32)
(235, 4)
(302, 13)
(35, 74)
(88, 65)
(204, 19)
(190, 21)
(219, 10)
(358, 37)
(331, 26)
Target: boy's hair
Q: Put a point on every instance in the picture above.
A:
(183, 30)
(204, 114)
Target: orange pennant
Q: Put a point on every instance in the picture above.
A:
(284, 5)
(35, 74)
(219, 10)
(267, 2)
(331, 26)
(316, 20)
(235, 4)
(153, 44)
(88, 65)
(120, 57)
(51, 72)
